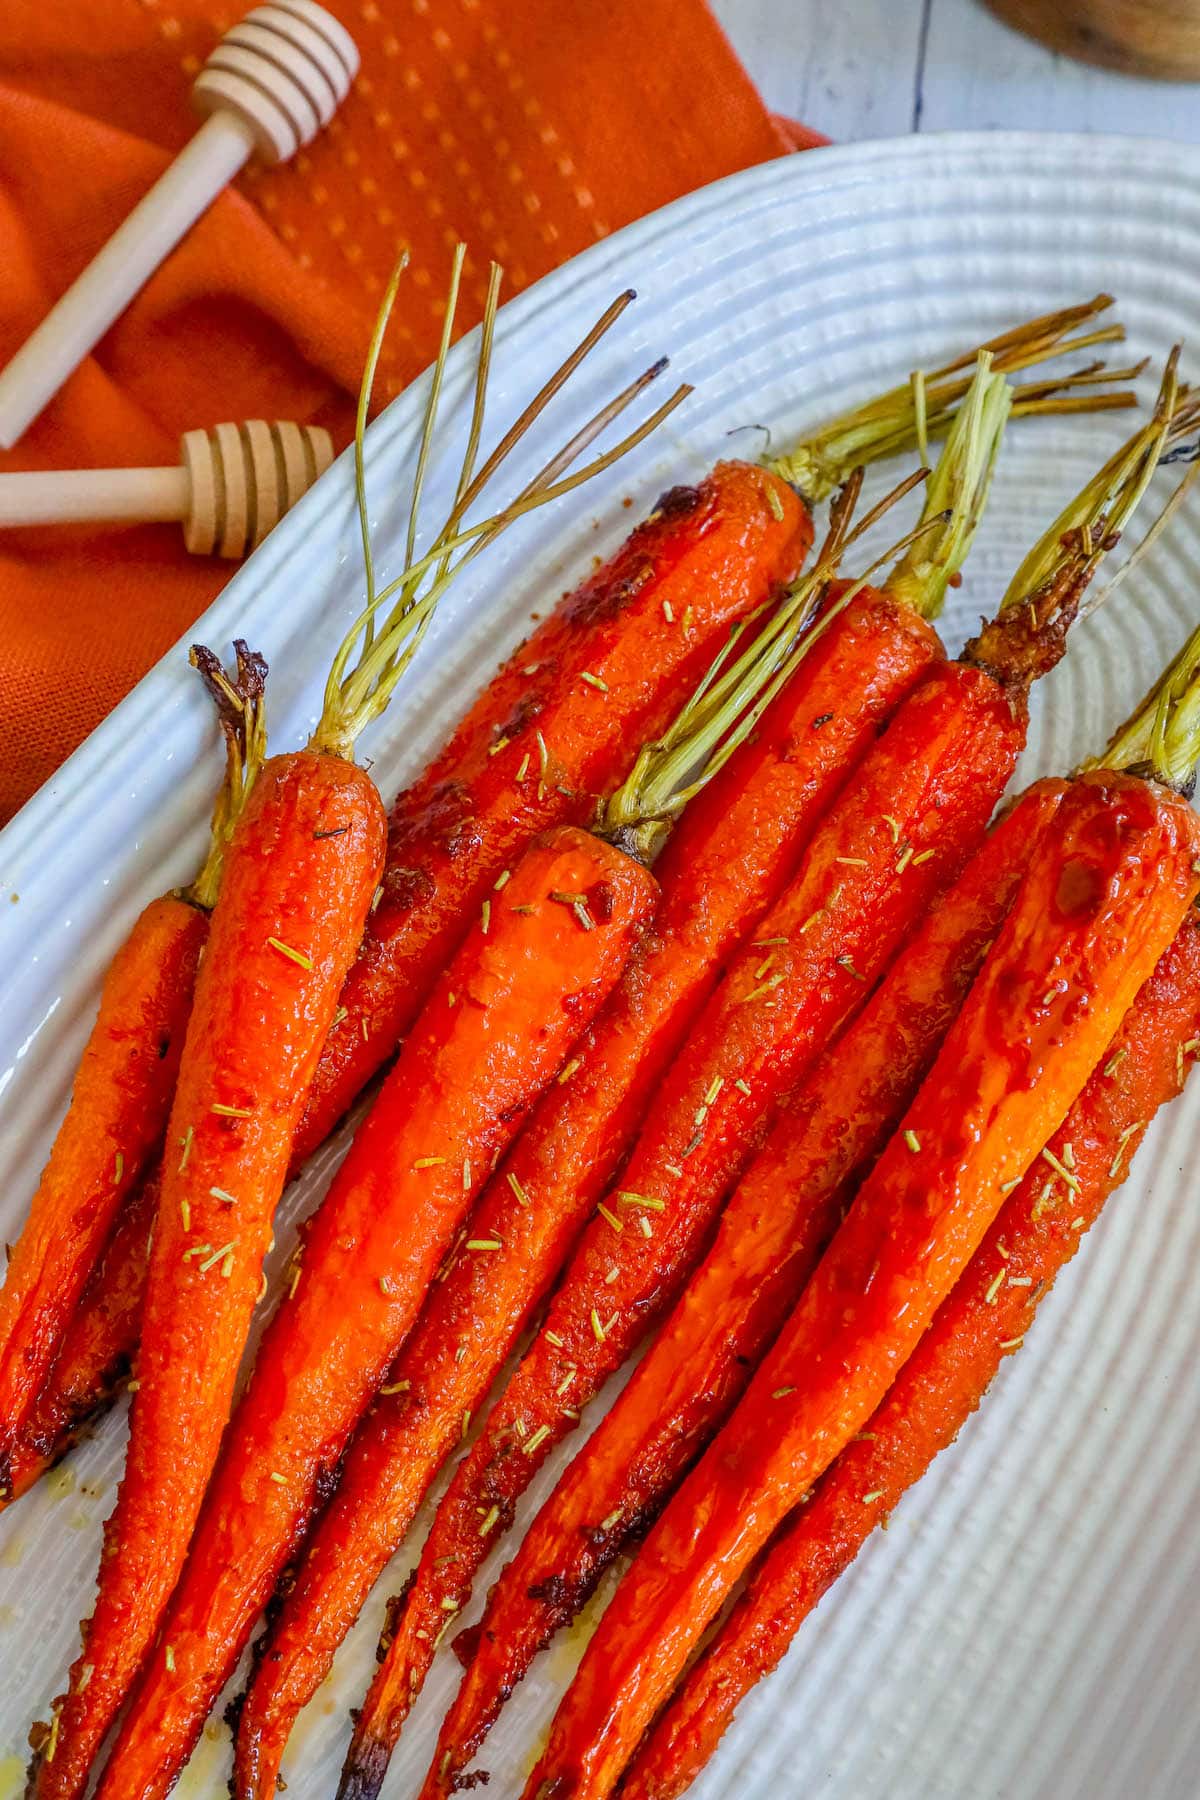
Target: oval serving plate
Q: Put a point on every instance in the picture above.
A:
(1030, 1623)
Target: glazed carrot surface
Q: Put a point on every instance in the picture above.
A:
(115, 1120)
(901, 830)
(984, 1319)
(554, 728)
(97, 1347)
(726, 860)
(1103, 898)
(299, 877)
(547, 947)
(785, 1209)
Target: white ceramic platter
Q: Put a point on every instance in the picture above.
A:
(1030, 1625)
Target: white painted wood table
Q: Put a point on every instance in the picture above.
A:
(881, 68)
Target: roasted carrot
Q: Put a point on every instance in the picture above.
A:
(97, 1346)
(1027, 634)
(544, 737)
(300, 876)
(752, 825)
(1102, 898)
(770, 1236)
(607, 669)
(985, 1318)
(118, 1108)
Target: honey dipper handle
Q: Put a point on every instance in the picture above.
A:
(205, 165)
(61, 496)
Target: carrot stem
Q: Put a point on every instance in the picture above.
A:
(925, 405)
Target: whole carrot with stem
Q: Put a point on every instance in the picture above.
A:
(300, 875)
(985, 1319)
(755, 810)
(1104, 895)
(122, 1091)
(768, 1241)
(551, 729)
(550, 943)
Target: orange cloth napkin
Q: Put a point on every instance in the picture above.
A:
(530, 128)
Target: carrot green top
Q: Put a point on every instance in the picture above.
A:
(384, 638)
(924, 406)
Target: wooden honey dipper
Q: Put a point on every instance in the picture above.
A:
(269, 86)
(232, 484)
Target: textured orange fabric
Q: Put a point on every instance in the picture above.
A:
(529, 127)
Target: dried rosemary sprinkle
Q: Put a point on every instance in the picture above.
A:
(485, 916)
(1124, 1138)
(610, 1218)
(278, 1479)
(593, 681)
(875, 1494)
(764, 987)
(169, 1658)
(466, 1176)
(893, 826)
(1060, 1168)
(523, 771)
(185, 1214)
(569, 1069)
(997, 1283)
(297, 956)
(1006, 1187)
(1114, 1062)
(488, 1520)
(846, 962)
(668, 613)
(742, 1087)
(119, 1167)
(923, 857)
(552, 1337)
(429, 1162)
(484, 1244)
(1020, 1281)
(396, 1387)
(566, 1381)
(761, 943)
(536, 1440)
(466, 1425)
(186, 1141)
(913, 1141)
(597, 1327)
(673, 1169)
(233, 1112)
(1012, 1343)
(644, 1226)
(500, 744)
(904, 858)
(343, 1012)
(853, 862)
(223, 1196)
(502, 880)
(519, 1194)
(217, 1256)
(626, 1197)
(782, 1393)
